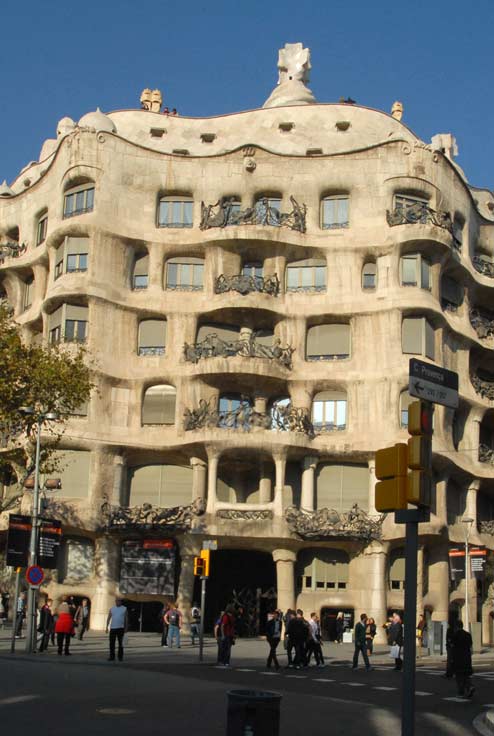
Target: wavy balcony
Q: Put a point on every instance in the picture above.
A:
(483, 384)
(227, 213)
(11, 250)
(214, 347)
(420, 213)
(244, 284)
(482, 322)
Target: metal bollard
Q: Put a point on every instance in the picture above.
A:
(253, 713)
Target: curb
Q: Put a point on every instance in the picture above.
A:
(484, 723)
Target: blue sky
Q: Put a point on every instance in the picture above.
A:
(59, 58)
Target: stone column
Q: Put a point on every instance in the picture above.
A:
(285, 577)
(213, 460)
(260, 404)
(156, 264)
(471, 504)
(199, 475)
(373, 571)
(439, 582)
(372, 486)
(442, 501)
(279, 486)
(119, 481)
(264, 483)
(186, 586)
(106, 558)
(309, 465)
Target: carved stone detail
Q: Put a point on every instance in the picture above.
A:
(151, 517)
(224, 213)
(244, 284)
(483, 386)
(213, 347)
(245, 515)
(354, 524)
(486, 268)
(486, 454)
(482, 322)
(11, 250)
(487, 527)
(245, 418)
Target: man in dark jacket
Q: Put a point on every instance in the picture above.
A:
(462, 661)
(395, 638)
(298, 633)
(273, 635)
(360, 643)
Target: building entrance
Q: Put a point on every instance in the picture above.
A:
(246, 579)
(144, 615)
(328, 621)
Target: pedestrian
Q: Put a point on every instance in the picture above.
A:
(360, 643)
(450, 632)
(64, 627)
(314, 641)
(273, 635)
(195, 625)
(164, 625)
(298, 634)
(173, 618)
(421, 633)
(217, 636)
(117, 621)
(386, 626)
(340, 627)
(227, 635)
(370, 632)
(395, 638)
(20, 614)
(287, 643)
(462, 661)
(3, 614)
(81, 617)
(46, 624)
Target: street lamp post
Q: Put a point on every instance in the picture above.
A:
(33, 543)
(467, 522)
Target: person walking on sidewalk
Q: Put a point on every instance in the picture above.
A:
(64, 627)
(195, 624)
(173, 618)
(339, 627)
(46, 624)
(462, 661)
(82, 618)
(117, 622)
(227, 635)
(395, 638)
(298, 635)
(370, 633)
(360, 643)
(273, 635)
(20, 614)
(314, 644)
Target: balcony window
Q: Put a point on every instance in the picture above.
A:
(234, 411)
(329, 411)
(307, 276)
(79, 200)
(68, 323)
(417, 337)
(369, 276)
(71, 256)
(41, 229)
(328, 342)
(28, 293)
(152, 337)
(140, 276)
(253, 269)
(415, 271)
(158, 406)
(234, 207)
(341, 486)
(334, 212)
(268, 210)
(175, 211)
(325, 569)
(77, 263)
(160, 485)
(185, 274)
(451, 294)
(75, 330)
(412, 209)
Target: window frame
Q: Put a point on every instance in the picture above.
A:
(310, 286)
(181, 284)
(41, 229)
(170, 200)
(79, 268)
(420, 262)
(337, 223)
(329, 407)
(402, 202)
(87, 191)
(374, 286)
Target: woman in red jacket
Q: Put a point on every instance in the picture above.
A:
(64, 627)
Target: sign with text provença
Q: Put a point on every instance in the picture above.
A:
(434, 384)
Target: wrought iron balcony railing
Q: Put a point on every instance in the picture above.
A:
(152, 350)
(486, 454)
(487, 527)
(285, 418)
(482, 322)
(322, 427)
(483, 386)
(226, 212)
(486, 268)
(244, 284)
(421, 213)
(214, 347)
(11, 250)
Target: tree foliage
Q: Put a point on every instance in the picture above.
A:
(46, 378)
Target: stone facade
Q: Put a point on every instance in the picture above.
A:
(328, 230)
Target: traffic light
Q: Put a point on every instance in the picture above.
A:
(205, 558)
(420, 453)
(199, 566)
(391, 471)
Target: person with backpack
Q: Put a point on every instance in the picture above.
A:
(173, 618)
(195, 624)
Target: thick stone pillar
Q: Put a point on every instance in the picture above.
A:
(213, 460)
(280, 467)
(439, 582)
(186, 586)
(373, 576)
(471, 504)
(309, 465)
(372, 486)
(119, 481)
(285, 577)
(199, 477)
(264, 483)
(442, 501)
(106, 566)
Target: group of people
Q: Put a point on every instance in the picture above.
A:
(62, 624)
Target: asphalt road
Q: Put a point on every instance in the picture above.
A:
(156, 690)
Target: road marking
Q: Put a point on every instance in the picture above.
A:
(243, 669)
(354, 684)
(17, 699)
(297, 677)
(115, 711)
(322, 679)
(457, 699)
(270, 674)
(383, 687)
(420, 692)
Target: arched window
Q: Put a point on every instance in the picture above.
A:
(417, 337)
(184, 274)
(341, 486)
(369, 276)
(158, 406)
(397, 569)
(152, 337)
(334, 212)
(160, 485)
(140, 275)
(323, 569)
(329, 411)
(308, 275)
(328, 342)
(79, 199)
(175, 211)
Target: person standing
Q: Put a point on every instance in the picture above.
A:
(195, 624)
(395, 638)
(273, 635)
(227, 635)
(462, 661)
(164, 625)
(82, 618)
(314, 642)
(173, 618)
(117, 621)
(340, 627)
(298, 634)
(3, 614)
(217, 636)
(64, 627)
(360, 643)
(288, 644)
(20, 614)
(370, 632)
(46, 624)
(421, 634)
(450, 632)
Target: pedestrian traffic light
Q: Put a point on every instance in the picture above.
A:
(391, 471)
(199, 566)
(205, 558)
(420, 453)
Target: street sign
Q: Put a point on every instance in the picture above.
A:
(434, 384)
(35, 575)
(211, 544)
(50, 537)
(18, 538)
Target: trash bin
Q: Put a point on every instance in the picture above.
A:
(253, 713)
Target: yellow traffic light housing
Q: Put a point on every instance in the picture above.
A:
(205, 557)
(391, 471)
(199, 566)
(420, 453)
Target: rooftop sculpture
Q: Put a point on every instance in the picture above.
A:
(293, 68)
